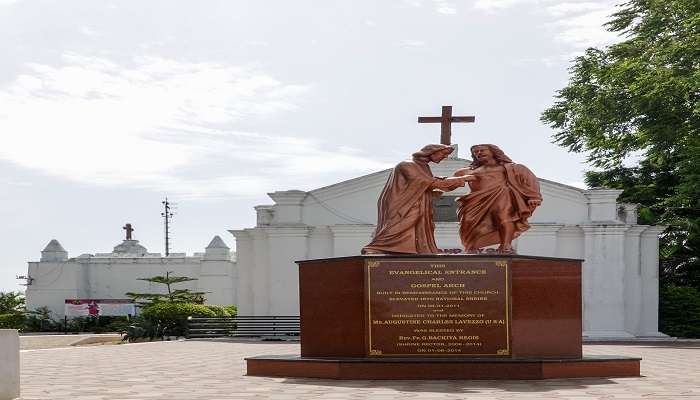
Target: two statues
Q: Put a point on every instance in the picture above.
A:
(503, 196)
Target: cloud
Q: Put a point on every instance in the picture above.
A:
(564, 9)
(577, 24)
(445, 7)
(493, 5)
(580, 24)
(160, 124)
(440, 6)
(413, 3)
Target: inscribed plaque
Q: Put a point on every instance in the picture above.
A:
(436, 307)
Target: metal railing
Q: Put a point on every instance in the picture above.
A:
(243, 326)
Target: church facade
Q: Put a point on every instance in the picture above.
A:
(620, 268)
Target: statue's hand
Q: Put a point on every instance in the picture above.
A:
(455, 182)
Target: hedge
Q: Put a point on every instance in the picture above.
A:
(12, 321)
(679, 311)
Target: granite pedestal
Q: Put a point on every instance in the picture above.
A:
(441, 317)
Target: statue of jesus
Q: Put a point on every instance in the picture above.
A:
(503, 196)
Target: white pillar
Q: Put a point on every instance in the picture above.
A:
(348, 240)
(629, 213)
(287, 208)
(633, 279)
(265, 214)
(649, 250)
(603, 282)
(217, 274)
(245, 265)
(9, 364)
(602, 204)
(260, 272)
(287, 244)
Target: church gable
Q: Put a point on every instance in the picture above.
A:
(350, 202)
(354, 202)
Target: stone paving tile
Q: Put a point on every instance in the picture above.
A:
(33, 342)
(192, 370)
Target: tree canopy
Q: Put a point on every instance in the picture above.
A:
(172, 295)
(11, 303)
(634, 108)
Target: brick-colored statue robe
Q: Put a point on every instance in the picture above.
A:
(497, 196)
(405, 210)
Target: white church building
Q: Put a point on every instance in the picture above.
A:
(620, 268)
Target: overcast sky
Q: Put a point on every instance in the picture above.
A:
(107, 107)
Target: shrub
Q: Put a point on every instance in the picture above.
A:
(232, 310)
(40, 320)
(38, 324)
(142, 328)
(12, 321)
(221, 311)
(103, 324)
(118, 325)
(172, 317)
(679, 311)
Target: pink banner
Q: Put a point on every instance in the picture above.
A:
(99, 307)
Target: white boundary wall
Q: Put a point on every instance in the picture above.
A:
(9, 364)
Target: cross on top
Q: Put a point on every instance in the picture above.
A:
(128, 230)
(445, 120)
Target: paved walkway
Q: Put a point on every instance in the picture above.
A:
(215, 371)
(33, 342)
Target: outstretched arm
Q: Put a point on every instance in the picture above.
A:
(451, 183)
(467, 173)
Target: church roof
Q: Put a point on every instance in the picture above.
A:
(54, 245)
(351, 181)
(562, 185)
(360, 180)
(217, 243)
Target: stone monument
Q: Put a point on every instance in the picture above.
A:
(402, 310)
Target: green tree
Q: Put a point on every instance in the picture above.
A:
(172, 295)
(634, 108)
(12, 303)
(12, 310)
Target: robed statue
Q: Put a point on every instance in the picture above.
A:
(405, 208)
(503, 196)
